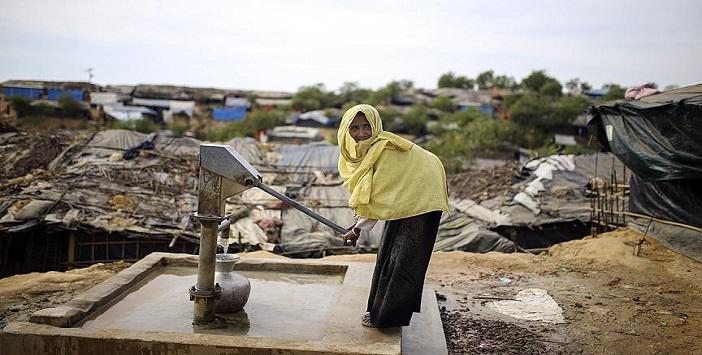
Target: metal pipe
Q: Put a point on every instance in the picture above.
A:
(205, 292)
(301, 208)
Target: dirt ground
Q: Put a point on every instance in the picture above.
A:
(613, 302)
(22, 295)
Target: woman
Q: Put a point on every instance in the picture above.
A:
(391, 179)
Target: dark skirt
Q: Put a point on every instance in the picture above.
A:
(398, 279)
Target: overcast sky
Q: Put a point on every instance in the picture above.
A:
(285, 44)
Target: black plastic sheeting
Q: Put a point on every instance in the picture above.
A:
(658, 137)
(675, 200)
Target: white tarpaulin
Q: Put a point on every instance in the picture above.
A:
(530, 304)
(103, 98)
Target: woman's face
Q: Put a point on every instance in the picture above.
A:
(360, 129)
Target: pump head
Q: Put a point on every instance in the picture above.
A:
(223, 173)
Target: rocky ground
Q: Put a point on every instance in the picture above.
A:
(612, 301)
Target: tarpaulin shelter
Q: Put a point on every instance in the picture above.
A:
(659, 138)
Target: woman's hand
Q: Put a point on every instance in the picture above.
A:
(351, 237)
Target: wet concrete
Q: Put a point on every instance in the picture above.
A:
(296, 307)
(282, 305)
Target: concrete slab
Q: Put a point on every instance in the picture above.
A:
(425, 334)
(62, 329)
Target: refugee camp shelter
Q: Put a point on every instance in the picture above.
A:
(50, 90)
(315, 118)
(658, 139)
(53, 94)
(68, 204)
(31, 92)
(229, 113)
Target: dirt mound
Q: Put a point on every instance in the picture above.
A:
(53, 281)
(483, 184)
(493, 260)
(613, 248)
(22, 295)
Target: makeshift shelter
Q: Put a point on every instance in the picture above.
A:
(312, 119)
(658, 138)
(89, 205)
(229, 113)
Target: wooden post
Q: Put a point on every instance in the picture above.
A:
(71, 249)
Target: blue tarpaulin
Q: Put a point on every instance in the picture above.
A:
(484, 108)
(233, 113)
(54, 94)
(30, 93)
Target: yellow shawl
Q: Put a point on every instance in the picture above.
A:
(388, 176)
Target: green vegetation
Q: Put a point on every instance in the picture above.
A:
(615, 92)
(313, 97)
(144, 125)
(444, 103)
(255, 121)
(22, 105)
(415, 120)
(450, 80)
(67, 107)
(461, 136)
(178, 127)
(528, 113)
(70, 108)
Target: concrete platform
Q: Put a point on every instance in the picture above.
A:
(63, 329)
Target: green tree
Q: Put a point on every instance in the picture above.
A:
(351, 92)
(567, 109)
(443, 103)
(391, 90)
(314, 97)
(505, 82)
(488, 135)
(485, 80)
(251, 98)
(447, 80)
(463, 82)
(614, 92)
(450, 80)
(551, 88)
(257, 120)
(22, 105)
(573, 85)
(460, 136)
(415, 119)
(535, 80)
(69, 107)
(530, 110)
(576, 86)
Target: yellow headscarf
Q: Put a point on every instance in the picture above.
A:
(388, 176)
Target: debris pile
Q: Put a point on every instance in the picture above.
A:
(484, 184)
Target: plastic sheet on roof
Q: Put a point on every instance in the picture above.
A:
(658, 137)
(316, 156)
(247, 148)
